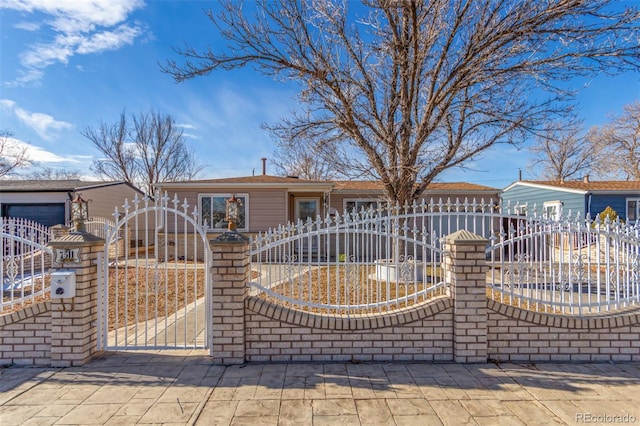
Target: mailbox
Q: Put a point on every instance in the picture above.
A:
(63, 284)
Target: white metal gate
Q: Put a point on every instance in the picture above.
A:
(154, 286)
(25, 263)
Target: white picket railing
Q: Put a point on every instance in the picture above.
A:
(363, 262)
(574, 267)
(99, 226)
(25, 264)
(379, 260)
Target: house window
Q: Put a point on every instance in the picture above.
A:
(553, 209)
(213, 210)
(357, 205)
(307, 208)
(633, 209)
(520, 210)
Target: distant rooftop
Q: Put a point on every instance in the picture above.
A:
(250, 179)
(369, 185)
(342, 185)
(32, 185)
(588, 185)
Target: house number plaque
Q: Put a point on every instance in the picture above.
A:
(68, 255)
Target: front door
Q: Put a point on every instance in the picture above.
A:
(307, 208)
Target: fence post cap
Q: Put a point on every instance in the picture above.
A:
(463, 236)
(76, 239)
(231, 237)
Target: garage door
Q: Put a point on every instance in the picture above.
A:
(45, 214)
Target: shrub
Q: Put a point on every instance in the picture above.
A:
(610, 213)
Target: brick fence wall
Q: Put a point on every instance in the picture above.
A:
(463, 326)
(519, 335)
(277, 334)
(25, 336)
(422, 333)
(58, 332)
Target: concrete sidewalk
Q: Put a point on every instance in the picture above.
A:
(182, 387)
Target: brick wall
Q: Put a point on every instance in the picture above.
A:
(74, 320)
(278, 334)
(58, 332)
(25, 336)
(425, 333)
(462, 327)
(230, 272)
(518, 335)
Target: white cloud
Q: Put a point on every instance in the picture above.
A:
(79, 27)
(190, 135)
(36, 153)
(108, 40)
(186, 126)
(7, 104)
(41, 155)
(45, 125)
(42, 55)
(27, 26)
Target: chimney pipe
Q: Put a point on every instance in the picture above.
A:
(586, 179)
(264, 166)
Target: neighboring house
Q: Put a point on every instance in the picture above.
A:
(354, 195)
(47, 201)
(580, 198)
(270, 201)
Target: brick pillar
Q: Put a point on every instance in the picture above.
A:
(74, 319)
(229, 291)
(465, 269)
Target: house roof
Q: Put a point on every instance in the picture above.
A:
(433, 187)
(582, 186)
(346, 186)
(65, 185)
(252, 181)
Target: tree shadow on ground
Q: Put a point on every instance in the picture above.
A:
(196, 369)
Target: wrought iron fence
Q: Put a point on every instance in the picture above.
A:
(99, 226)
(366, 261)
(25, 262)
(378, 260)
(577, 267)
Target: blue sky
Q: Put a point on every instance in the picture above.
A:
(67, 65)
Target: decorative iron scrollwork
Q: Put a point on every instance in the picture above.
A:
(11, 268)
(406, 269)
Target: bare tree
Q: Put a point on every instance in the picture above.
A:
(119, 154)
(304, 159)
(414, 88)
(149, 151)
(618, 144)
(50, 173)
(12, 154)
(163, 155)
(561, 152)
